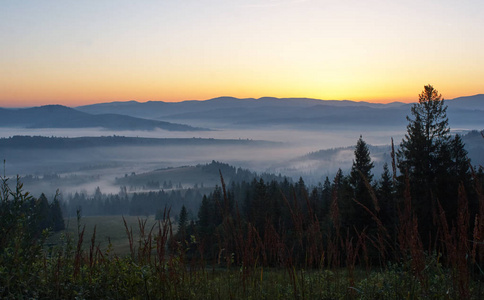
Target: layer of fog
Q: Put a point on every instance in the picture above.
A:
(99, 166)
(318, 139)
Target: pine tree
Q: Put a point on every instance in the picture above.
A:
(325, 200)
(56, 212)
(426, 140)
(326, 193)
(204, 217)
(460, 160)
(360, 180)
(44, 216)
(182, 222)
(385, 194)
(424, 155)
(454, 170)
(362, 165)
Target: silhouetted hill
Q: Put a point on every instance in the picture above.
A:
(199, 175)
(475, 102)
(304, 113)
(58, 116)
(158, 109)
(37, 142)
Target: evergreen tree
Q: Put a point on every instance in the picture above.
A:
(426, 140)
(217, 206)
(44, 216)
(56, 213)
(338, 181)
(343, 194)
(460, 162)
(315, 202)
(360, 180)
(326, 193)
(209, 218)
(204, 217)
(424, 156)
(362, 165)
(388, 213)
(325, 200)
(182, 222)
(454, 170)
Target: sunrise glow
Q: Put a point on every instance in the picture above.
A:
(81, 52)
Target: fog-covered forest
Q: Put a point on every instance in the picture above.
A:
(383, 220)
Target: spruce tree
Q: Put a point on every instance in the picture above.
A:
(182, 223)
(44, 216)
(426, 140)
(360, 180)
(204, 217)
(182, 218)
(424, 156)
(460, 161)
(362, 165)
(325, 199)
(385, 194)
(454, 170)
(56, 212)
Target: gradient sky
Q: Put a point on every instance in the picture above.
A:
(81, 52)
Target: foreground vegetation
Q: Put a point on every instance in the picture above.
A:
(157, 267)
(416, 234)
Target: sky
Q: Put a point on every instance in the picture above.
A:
(82, 52)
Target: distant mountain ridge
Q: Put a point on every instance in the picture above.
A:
(475, 102)
(58, 116)
(290, 112)
(229, 112)
(158, 109)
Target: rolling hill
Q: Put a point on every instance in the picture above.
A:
(58, 116)
(301, 113)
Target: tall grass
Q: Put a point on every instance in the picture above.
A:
(305, 261)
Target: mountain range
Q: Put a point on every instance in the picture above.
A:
(229, 112)
(303, 113)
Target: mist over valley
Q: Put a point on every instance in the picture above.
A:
(97, 144)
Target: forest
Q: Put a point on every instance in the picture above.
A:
(415, 232)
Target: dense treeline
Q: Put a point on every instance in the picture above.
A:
(280, 211)
(136, 204)
(432, 193)
(238, 174)
(113, 141)
(24, 224)
(144, 203)
(198, 176)
(39, 213)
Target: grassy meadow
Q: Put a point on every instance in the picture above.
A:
(110, 230)
(107, 267)
(111, 257)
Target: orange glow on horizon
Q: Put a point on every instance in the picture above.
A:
(81, 53)
(75, 103)
(94, 96)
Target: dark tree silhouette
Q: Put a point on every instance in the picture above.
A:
(427, 137)
(360, 180)
(425, 157)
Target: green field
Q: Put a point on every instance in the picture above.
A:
(108, 229)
